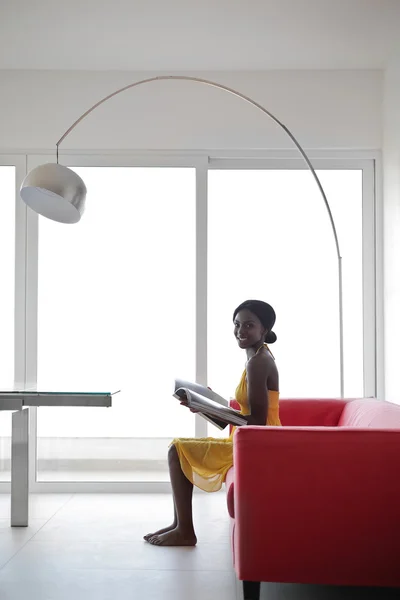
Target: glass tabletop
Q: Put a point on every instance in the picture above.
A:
(54, 393)
(30, 397)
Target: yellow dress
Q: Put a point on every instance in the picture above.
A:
(206, 461)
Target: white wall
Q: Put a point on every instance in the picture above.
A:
(391, 172)
(324, 109)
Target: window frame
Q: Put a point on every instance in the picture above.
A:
(20, 281)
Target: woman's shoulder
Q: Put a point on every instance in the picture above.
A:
(261, 360)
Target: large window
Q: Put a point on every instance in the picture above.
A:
(7, 278)
(117, 311)
(270, 238)
(142, 290)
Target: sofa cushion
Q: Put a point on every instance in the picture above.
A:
(301, 412)
(370, 413)
(229, 482)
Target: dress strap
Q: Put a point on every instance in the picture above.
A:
(265, 346)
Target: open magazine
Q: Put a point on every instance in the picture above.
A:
(210, 405)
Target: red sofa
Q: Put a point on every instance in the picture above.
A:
(318, 500)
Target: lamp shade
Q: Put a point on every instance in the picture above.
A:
(56, 192)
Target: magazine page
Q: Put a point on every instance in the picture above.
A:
(200, 389)
(210, 407)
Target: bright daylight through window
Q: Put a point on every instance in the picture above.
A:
(116, 302)
(270, 238)
(7, 278)
(117, 296)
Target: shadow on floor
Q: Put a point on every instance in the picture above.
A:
(286, 591)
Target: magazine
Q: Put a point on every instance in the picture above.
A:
(211, 406)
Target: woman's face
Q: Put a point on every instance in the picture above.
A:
(248, 329)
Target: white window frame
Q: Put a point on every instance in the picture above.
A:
(19, 162)
(27, 267)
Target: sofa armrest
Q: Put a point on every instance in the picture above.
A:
(305, 496)
(235, 405)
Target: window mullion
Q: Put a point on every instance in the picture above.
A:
(201, 286)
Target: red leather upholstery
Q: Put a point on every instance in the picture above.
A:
(292, 412)
(308, 412)
(311, 413)
(316, 504)
(229, 494)
(371, 413)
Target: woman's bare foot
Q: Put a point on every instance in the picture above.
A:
(159, 532)
(174, 537)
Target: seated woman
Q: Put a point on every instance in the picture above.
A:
(205, 462)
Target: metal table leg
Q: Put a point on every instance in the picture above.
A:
(20, 469)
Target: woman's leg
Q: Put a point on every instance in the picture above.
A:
(183, 533)
(164, 529)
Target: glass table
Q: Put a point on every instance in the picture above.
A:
(19, 402)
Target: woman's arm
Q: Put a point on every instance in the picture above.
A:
(257, 391)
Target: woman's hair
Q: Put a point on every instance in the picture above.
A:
(265, 314)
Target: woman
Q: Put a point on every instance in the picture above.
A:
(204, 462)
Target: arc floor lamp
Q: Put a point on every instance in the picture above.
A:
(58, 193)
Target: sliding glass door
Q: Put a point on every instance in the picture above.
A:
(143, 289)
(7, 269)
(116, 311)
(270, 238)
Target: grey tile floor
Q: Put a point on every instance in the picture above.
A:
(89, 547)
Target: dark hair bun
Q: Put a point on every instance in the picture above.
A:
(270, 338)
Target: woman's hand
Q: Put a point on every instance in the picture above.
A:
(193, 410)
(185, 403)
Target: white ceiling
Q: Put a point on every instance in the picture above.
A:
(206, 35)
